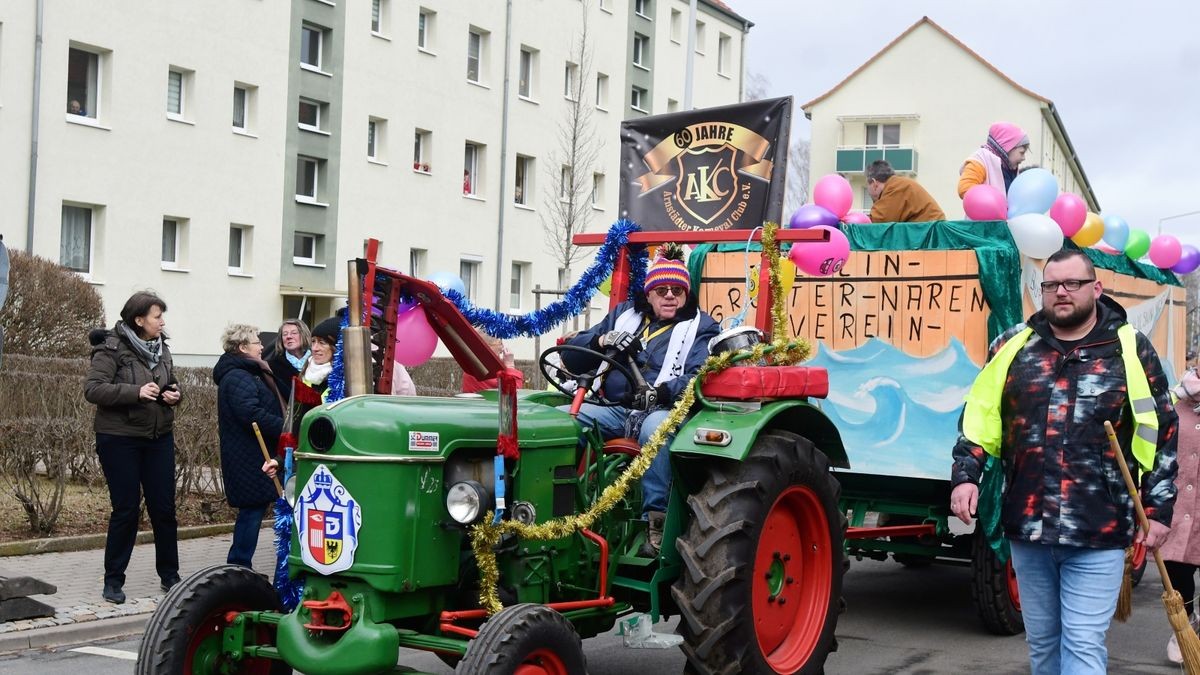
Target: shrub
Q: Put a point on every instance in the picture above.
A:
(49, 310)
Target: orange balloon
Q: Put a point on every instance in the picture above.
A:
(1091, 232)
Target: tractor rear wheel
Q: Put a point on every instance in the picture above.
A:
(525, 640)
(762, 562)
(185, 633)
(994, 589)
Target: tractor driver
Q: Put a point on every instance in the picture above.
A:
(668, 336)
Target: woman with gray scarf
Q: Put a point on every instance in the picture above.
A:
(132, 383)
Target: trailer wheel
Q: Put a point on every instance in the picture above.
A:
(994, 589)
(526, 639)
(762, 562)
(184, 634)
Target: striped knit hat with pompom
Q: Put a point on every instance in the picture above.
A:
(668, 272)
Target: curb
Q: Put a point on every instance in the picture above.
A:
(74, 633)
(87, 542)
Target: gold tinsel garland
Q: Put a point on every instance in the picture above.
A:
(486, 536)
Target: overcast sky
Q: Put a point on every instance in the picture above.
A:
(1124, 76)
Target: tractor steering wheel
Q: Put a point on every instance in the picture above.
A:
(592, 381)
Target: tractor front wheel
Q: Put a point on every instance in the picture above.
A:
(525, 640)
(994, 588)
(762, 562)
(185, 633)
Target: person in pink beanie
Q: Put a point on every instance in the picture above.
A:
(995, 162)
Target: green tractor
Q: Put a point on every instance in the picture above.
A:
(388, 489)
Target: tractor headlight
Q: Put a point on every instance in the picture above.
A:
(465, 501)
(289, 491)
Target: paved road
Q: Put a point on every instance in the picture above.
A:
(901, 621)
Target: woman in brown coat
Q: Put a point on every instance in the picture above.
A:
(1182, 550)
(132, 384)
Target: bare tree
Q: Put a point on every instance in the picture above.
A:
(758, 87)
(568, 198)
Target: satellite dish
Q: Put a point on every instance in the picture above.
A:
(3, 273)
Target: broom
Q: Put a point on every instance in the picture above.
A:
(289, 591)
(1189, 643)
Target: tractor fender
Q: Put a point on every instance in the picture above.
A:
(744, 422)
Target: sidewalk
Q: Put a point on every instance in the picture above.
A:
(82, 615)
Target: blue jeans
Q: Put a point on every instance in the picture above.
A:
(656, 482)
(245, 535)
(1068, 595)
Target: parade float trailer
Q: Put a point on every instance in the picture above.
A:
(903, 329)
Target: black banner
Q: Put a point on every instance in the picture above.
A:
(713, 169)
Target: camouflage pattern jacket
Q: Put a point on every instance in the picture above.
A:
(1062, 481)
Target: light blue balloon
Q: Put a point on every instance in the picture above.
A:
(446, 280)
(1033, 191)
(1116, 232)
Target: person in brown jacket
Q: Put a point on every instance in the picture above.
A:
(132, 384)
(1181, 553)
(899, 199)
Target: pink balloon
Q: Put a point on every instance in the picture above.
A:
(809, 215)
(857, 218)
(1105, 248)
(415, 338)
(1165, 251)
(1189, 260)
(1070, 212)
(984, 202)
(822, 259)
(834, 193)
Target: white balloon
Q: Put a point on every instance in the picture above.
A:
(1036, 234)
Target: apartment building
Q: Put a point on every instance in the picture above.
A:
(924, 103)
(233, 155)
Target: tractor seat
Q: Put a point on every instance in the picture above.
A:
(765, 383)
(623, 446)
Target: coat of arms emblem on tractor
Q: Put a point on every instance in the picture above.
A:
(328, 520)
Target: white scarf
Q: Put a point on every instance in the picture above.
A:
(315, 373)
(683, 336)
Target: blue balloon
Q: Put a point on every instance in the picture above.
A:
(1116, 232)
(446, 281)
(1033, 191)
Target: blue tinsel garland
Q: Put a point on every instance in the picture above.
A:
(573, 302)
(289, 590)
(336, 381)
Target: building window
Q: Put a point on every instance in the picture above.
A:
(672, 105)
(642, 8)
(598, 190)
(641, 46)
(75, 246)
(312, 39)
(239, 249)
(241, 108)
(637, 99)
(700, 34)
(179, 83)
(308, 170)
(724, 54)
(602, 91)
(571, 81)
(523, 190)
(525, 80)
(516, 287)
(676, 26)
(471, 164)
(474, 55)
(563, 278)
(83, 83)
(376, 138)
(310, 115)
(172, 241)
(305, 248)
(883, 135)
(468, 271)
(424, 29)
(566, 190)
(421, 150)
(416, 262)
(377, 16)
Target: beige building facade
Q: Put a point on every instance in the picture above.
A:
(924, 103)
(233, 155)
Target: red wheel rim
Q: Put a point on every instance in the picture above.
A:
(793, 579)
(542, 662)
(1139, 555)
(204, 654)
(1014, 595)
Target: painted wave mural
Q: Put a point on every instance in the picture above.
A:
(898, 414)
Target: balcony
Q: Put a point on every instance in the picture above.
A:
(856, 159)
